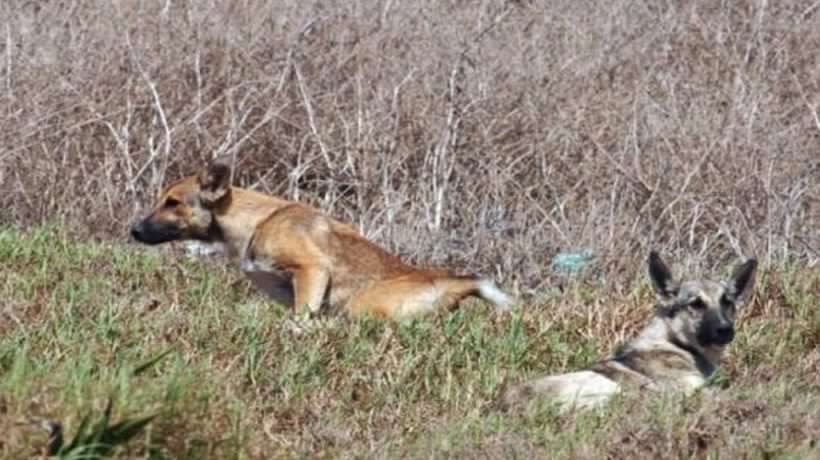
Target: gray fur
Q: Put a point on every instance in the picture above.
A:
(678, 350)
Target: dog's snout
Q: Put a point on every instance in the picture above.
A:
(725, 333)
(150, 231)
(137, 230)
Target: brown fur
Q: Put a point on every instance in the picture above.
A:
(299, 255)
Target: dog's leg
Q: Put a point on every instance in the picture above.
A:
(576, 390)
(309, 286)
(420, 293)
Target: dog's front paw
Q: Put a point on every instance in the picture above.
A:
(305, 323)
(301, 324)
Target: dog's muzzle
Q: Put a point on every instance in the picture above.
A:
(724, 335)
(148, 232)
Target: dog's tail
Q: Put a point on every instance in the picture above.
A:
(488, 291)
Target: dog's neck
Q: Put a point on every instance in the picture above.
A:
(707, 359)
(657, 336)
(237, 217)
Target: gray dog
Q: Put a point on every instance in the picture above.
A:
(679, 349)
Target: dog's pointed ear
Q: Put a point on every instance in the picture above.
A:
(214, 183)
(662, 280)
(742, 281)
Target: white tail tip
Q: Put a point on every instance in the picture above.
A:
(491, 293)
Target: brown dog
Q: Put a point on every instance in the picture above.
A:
(300, 256)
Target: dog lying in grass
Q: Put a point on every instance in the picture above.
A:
(300, 256)
(679, 349)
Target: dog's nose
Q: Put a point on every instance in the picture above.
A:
(136, 231)
(725, 334)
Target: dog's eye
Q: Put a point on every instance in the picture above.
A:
(698, 304)
(172, 202)
(727, 305)
(726, 302)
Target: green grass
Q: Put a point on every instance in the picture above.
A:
(78, 318)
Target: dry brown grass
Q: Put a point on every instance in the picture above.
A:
(488, 136)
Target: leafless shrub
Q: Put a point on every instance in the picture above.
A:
(489, 135)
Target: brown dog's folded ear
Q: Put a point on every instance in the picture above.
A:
(214, 183)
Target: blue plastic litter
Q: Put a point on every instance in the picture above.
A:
(571, 262)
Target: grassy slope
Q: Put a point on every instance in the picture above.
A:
(77, 317)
